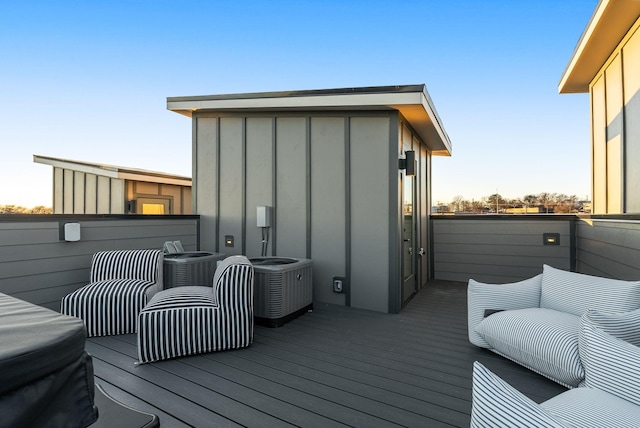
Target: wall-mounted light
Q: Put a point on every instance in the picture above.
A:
(228, 240)
(551, 238)
(68, 231)
(408, 163)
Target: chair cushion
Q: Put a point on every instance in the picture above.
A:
(108, 307)
(144, 265)
(575, 293)
(481, 296)
(35, 342)
(543, 340)
(498, 404)
(610, 364)
(589, 407)
(623, 325)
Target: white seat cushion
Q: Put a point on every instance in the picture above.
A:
(589, 407)
(544, 340)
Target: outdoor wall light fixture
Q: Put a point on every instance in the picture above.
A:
(69, 231)
(551, 238)
(408, 163)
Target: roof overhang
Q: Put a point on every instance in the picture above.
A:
(412, 101)
(609, 24)
(114, 171)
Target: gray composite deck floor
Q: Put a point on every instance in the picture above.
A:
(335, 366)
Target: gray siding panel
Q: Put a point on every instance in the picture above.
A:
(609, 248)
(497, 250)
(206, 179)
(328, 223)
(370, 212)
(37, 267)
(259, 173)
(291, 187)
(231, 174)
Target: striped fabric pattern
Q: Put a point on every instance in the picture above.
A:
(481, 296)
(497, 404)
(191, 320)
(544, 340)
(623, 325)
(610, 364)
(590, 407)
(575, 293)
(122, 282)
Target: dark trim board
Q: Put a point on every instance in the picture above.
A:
(335, 366)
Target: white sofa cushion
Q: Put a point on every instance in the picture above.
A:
(499, 297)
(544, 340)
(610, 364)
(589, 407)
(498, 404)
(575, 293)
(623, 325)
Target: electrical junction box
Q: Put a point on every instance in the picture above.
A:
(264, 216)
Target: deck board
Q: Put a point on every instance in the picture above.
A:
(335, 366)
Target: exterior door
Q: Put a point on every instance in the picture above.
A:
(409, 238)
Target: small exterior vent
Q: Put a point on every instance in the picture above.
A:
(283, 289)
(190, 268)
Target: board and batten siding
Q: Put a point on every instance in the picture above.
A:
(36, 266)
(615, 129)
(498, 250)
(326, 177)
(76, 192)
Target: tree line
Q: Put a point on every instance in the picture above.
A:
(16, 209)
(557, 203)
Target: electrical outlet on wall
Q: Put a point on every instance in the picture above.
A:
(338, 284)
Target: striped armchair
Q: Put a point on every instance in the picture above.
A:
(191, 320)
(121, 284)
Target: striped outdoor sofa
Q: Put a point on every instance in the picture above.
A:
(610, 397)
(190, 320)
(535, 322)
(121, 284)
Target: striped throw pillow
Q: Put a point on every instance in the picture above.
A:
(575, 293)
(498, 404)
(610, 364)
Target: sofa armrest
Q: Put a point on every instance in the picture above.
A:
(483, 299)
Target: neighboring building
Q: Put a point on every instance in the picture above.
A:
(525, 210)
(606, 63)
(328, 163)
(91, 188)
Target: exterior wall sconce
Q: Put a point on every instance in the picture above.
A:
(69, 232)
(408, 163)
(551, 238)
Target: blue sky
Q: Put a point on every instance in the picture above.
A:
(88, 80)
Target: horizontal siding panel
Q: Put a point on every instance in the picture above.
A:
(609, 249)
(46, 265)
(35, 234)
(35, 266)
(497, 250)
(506, 250)
(488, 259)
(496, 239)
(500, 227)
